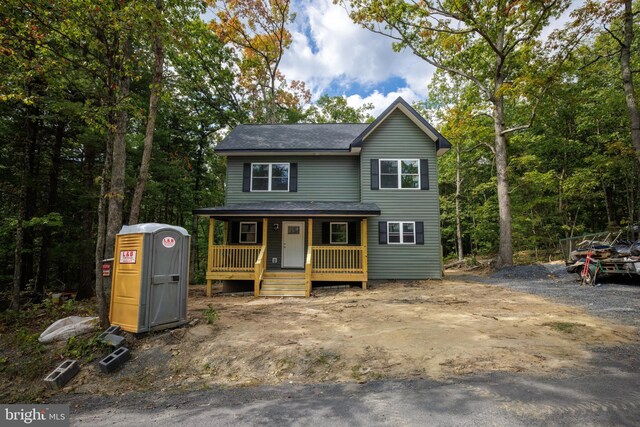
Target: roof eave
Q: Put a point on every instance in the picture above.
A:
(208, 212)
(352, 151)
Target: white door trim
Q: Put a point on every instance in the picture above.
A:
(284, 263)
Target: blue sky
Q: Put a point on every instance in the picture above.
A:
(334, 56)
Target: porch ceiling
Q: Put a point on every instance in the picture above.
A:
(304, 209)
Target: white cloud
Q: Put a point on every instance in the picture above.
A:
(346, 54)
(381, 101)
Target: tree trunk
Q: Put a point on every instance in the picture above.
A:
(17, 272)
(20, 273)
(457, 198)
(505, 249)
(103, 309)
(85, 288)
(118, 164)
(156, 88)
(627, 77)
(30, 194)
(42, 276)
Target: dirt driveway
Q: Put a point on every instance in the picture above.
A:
(394, 330)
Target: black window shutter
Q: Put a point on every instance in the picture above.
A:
(234, 229)
(326, 229)
(293, 177)
(246, 178)
(419, 233)
(351, 228)
(382, 232)
(375, 174)
(259, 231)
(424, 174)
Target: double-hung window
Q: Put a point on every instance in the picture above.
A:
(404, 174)
(248, 232)
(270, 177)
(339, 233)
(401, 233)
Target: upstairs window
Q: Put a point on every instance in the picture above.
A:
(404, 174)
(401, 233)
(270, 177)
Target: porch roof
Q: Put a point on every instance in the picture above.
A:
(306, 209)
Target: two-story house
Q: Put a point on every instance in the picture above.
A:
(308, 203)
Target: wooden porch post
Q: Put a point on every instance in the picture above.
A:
(261, 263)
(365, 254)
(265, 224)
(212, 223)
(308, 259)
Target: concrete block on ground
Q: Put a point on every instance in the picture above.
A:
(115, 341)
(114, 360)
(62, 374)
(113, 330)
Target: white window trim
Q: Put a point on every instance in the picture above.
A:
(255, 238)
(269, 179)
(401, 242)
(399, 187)
(331, 233)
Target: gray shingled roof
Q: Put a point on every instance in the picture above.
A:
(295, 137)
(291, 208)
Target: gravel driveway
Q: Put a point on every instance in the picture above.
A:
(614, 299)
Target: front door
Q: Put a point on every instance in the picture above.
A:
(293, 244)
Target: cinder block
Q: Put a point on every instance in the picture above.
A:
(114, 360)
(62, 374)
(115, 341)
(113, 330)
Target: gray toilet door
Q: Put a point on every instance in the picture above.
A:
(164, 301)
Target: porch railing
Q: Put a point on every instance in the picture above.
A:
(337, 259)
(233, 257)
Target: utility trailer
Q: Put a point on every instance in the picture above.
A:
(595, 255)
(608, 267)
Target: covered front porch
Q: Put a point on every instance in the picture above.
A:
(282, 248)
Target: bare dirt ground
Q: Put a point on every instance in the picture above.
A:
(394, 330)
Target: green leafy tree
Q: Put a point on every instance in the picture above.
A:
(258, 31)
(334, 109)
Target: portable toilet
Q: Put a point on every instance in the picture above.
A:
(150, 277)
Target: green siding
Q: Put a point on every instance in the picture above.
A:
(320, 178)
(347, 178)
(395, 138)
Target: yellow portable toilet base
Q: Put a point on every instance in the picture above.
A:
(150, 277)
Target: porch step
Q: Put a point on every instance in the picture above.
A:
(283, 274)
(283, 286)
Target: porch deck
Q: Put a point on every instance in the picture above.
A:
(322, 263)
